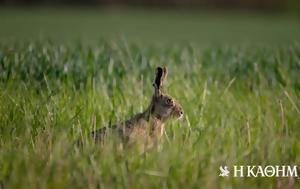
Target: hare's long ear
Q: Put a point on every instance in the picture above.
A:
(161, 74)
(165, 73)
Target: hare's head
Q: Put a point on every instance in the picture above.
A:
(163, 105)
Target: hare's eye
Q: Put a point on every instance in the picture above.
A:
(169, 101)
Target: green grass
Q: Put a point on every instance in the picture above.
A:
(241, 107)
(241, 104)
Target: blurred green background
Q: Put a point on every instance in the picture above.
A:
(89, 25)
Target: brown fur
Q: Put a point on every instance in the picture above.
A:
(148, 127)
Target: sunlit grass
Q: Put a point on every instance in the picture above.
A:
(241, 106)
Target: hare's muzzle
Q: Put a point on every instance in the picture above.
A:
(181, 115)
(178, 112)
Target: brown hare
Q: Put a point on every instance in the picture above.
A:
(147, 127)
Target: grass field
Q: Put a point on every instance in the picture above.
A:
(241, 100)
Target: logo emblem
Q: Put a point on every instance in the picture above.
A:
(224, 172)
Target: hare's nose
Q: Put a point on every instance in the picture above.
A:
(181, 115)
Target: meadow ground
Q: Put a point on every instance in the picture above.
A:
(240, 93)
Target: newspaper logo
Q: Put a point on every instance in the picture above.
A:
(224, 172)
(261, 171)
